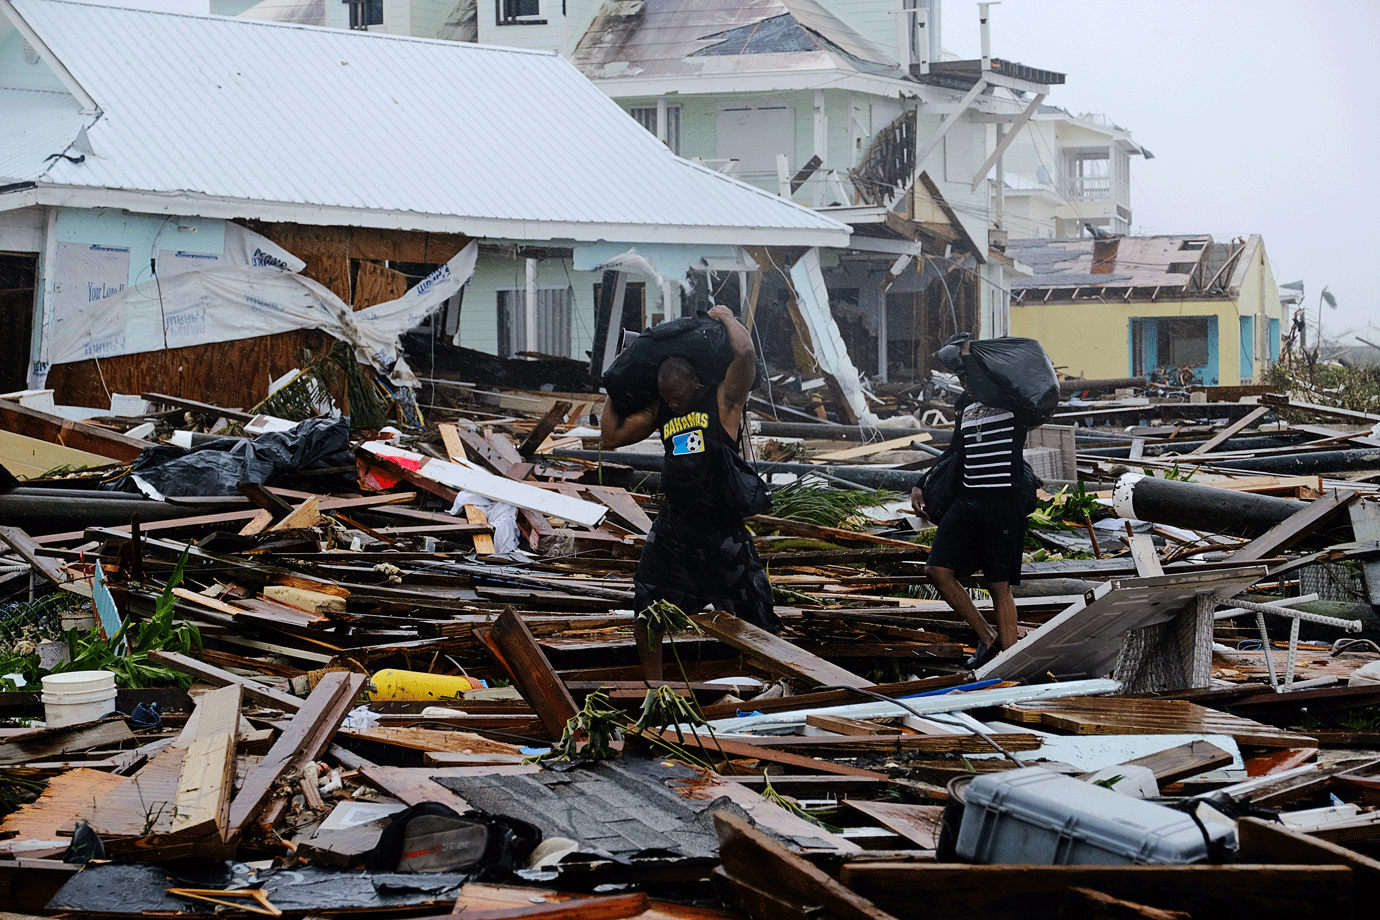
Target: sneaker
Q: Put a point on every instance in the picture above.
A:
(983, 655)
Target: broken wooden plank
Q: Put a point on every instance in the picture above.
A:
(953, 891)
(1261, 841)
(25, 548)
(220, 678)
(1226, 433)
(515, 648)
(78, 435)
(739, 750)
(309, 734)
(1181, 762)
(307, 514)
(866, 450)
(1286, 533)
(47, 743)
(855, 745)
(553, 417)
(202, 804)
(920, 824)
(67, 797)
(457, 478)
(1127, 716)
(1088, 904)
(412, 786)
(749, 854)
(833, 534)
(776, 654)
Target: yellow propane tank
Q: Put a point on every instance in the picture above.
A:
(397, 684)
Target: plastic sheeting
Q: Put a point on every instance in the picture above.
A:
(216, 467)
(262, 296)
(502, 517)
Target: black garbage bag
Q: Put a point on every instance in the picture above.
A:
(1010, 372)
(216, 467)
(630, 380)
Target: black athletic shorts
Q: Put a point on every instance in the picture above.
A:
(692, 565)
(981, 533)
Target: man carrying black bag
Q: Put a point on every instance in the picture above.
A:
(698, 552)
(984, 525)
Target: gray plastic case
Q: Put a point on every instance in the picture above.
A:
(1033, 816)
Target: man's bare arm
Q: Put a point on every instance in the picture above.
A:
(742, 369)
(616, 431)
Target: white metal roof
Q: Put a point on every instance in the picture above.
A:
(235, 118)
(38, 124)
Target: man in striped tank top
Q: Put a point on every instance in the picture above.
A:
(984, 528)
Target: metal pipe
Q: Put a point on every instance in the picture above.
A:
(45, 511)
(891, 479)
(862, 435)
(1196, 507)
(1328, 461)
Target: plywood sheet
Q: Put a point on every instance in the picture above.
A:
(28, 458)
(70, 796)
(1085, 639)
(1125, 716)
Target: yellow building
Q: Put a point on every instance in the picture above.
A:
(1178, 308)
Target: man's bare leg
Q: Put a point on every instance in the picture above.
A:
(956, 597)
(1005, 606)
(649, 642)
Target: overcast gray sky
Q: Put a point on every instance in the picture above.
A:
(1261, 115)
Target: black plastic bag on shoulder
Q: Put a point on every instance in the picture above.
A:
(630, 380)
(1009, 372)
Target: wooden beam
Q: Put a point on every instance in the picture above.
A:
(78, 435)
(235, 415)
(222, 678)
(1268, 842)
(1296, 527)
(1029, 892)
(776, 654)
(553, 417)
(1222, 436)
(749, 854)
(308, 735)
(515, 648)
(25, 548)
(741, 750)
(202, 804)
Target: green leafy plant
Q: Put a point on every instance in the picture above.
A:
(127, 654)
(772, 795)
(589, 734)
(1065, 510)
(803, 501)
(1180, 474)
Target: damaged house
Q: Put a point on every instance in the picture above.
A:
(1184, 310)
(850, 108)
(196, 205)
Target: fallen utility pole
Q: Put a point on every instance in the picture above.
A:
(872, 478)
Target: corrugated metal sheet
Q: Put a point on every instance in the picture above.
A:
(1139, 262)
(679, 38)
(206, 107)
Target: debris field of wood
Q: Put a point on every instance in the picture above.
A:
(364, 650)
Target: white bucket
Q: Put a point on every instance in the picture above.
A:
(77, 696)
